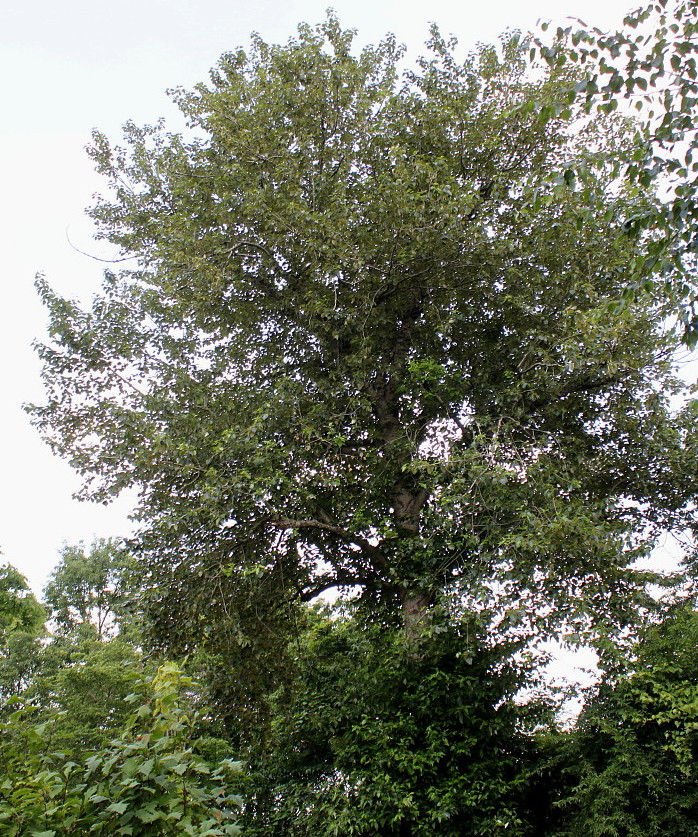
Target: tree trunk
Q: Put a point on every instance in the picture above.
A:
(416, 607)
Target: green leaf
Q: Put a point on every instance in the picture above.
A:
(147, 767)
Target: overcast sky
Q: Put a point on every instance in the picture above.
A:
(68, 67)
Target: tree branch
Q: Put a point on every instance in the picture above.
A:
(373, 552)
(339, 579)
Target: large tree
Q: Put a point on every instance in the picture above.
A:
(365, 342)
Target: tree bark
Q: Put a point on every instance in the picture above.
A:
(416, 607)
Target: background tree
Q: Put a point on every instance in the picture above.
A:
(87, 670)
(19, 609)
(92, 589)
(21, 626)
(80, 675)
(631, 763)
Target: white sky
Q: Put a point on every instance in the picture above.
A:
(68, 67)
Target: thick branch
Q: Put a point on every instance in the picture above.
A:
(408, 506)
(588, 385)
(373, 552)
(338, 579)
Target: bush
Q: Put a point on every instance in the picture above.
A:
(147, 782)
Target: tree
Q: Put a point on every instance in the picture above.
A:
(85, 673)
(19, 609)
(82, 687)
(80, 675)
(21, 627)
(91, 589)
(631, 764)
(650, 64)
(367, 345)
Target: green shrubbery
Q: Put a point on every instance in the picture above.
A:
(147, 782)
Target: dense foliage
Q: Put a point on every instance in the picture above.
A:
(80, 671)
(95, 739)
(630, 766)
(19, 609)
(148, 782)
(21, 626)
(379, 337)
(367, 739)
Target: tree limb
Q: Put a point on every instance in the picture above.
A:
(374, 553)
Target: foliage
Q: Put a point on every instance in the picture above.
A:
(91, 589)
(631, 764)
(146, 783)
(19, 610)
(21, 626)
(373, 738)
(83, 688)
(367, 341)
(650, 65)
(353, 352)
(21, 660)
(80, 676)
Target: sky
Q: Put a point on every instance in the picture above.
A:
(69, 67)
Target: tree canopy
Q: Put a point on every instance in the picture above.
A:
(92, 588)
(366, 344)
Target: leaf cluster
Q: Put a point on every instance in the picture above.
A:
(149, 781)
(650, 66)
(370, 737)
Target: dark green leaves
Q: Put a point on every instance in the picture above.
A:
(630, 765)
(371, 739)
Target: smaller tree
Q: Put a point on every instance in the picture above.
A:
(83, 689)
(91, 587)
(19, 609)
(631, 763)
(21, 625)
(81, 678)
